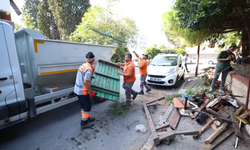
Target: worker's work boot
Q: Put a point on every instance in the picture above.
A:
(141, 93)
(211, 90)
(148, 90)
(91, 119)
(87, 125)
(135, 95)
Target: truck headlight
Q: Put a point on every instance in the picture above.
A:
(171, 70)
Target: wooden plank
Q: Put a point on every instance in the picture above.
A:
(172, 134)
(162, 126)
(151, 125)
(211, 138)
(219, 139)
(162, 98)
(236, 126)
(175, 119)
(213, 126)
(213, 112)
(178, 103)
(200, 108)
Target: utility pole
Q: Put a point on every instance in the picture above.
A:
(197, 63)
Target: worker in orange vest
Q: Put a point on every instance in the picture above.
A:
(83, 91)
(143, 71)
(129, 78)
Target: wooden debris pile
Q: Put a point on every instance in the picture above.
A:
(223, 114)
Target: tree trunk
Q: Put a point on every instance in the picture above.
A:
(245, 47)
(197, 63)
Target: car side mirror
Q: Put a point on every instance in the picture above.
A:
(179, 65)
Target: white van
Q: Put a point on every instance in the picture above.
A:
(166, 70)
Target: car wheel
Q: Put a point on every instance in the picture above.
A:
(183, 76)
(210, 62)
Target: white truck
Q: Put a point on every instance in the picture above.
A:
(38, 74)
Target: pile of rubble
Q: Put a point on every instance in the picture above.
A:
(223, 113)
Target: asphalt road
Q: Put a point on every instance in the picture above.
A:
(59, 129)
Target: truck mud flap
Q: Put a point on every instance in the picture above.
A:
(32, 108)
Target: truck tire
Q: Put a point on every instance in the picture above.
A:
(99, 99)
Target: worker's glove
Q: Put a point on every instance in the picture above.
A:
(118, 63)
(120, 73)
(92, 94)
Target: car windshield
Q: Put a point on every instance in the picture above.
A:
(164, 61)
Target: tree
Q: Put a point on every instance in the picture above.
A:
(30, 13)
(103, 20)
(46, 21)
(216, 17)
(17, 26)
(180, 36)
(152, 51)
(68, 14)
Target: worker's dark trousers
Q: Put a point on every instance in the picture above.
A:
(223, 77)
(85, 107)
(143, 83)
(128, 91)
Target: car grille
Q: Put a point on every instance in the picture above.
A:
(156, 76)
(158, 82)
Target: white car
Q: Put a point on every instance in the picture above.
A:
(136, 62)
(166, 70)
(211, 61)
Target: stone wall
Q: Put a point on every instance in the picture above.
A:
(239, 85)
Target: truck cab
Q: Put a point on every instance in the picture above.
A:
(12, 99)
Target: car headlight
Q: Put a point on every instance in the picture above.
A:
(171, 70)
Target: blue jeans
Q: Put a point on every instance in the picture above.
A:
(223, 77)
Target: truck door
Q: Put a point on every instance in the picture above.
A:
(8, 102)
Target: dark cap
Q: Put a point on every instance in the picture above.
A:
(90, 55)
(145, 55)
(234, 45)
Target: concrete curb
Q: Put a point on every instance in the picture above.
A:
(183, 85)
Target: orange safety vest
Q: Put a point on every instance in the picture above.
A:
(126, 71)
(84, 68)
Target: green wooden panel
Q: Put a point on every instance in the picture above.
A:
(107, 79)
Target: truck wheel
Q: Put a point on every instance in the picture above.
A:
(99, 99)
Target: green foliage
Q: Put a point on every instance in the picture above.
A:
(152, 51)
(68, 14)
(18, 26)
(103, 20)
(30, 13)
(189, 91)
(119, 54)
(162, 47)
(28, 21)
(118, 108)
(179, 50)
(215, 16)
(169, 98)
(46, 21)
(180, 36)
